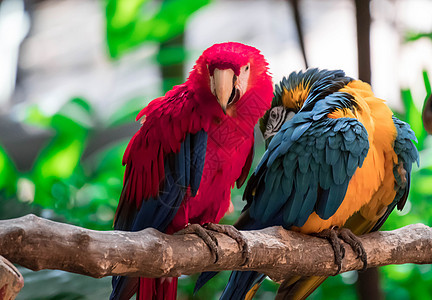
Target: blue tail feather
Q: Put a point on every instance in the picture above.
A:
(202, 280)
(240, 283)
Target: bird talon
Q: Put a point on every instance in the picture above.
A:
(339, 250)
(342, 251)
(233, 233)
(334, 236)
(206, 235)
(351, 239)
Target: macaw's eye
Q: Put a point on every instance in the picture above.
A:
(247, 68)
(273, 115)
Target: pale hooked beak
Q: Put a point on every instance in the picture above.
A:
(223, 87)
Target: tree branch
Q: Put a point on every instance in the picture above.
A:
(11, 280)
(37, 243)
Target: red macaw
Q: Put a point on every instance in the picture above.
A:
(194, 144)
(338, 162)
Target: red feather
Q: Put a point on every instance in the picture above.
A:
(188, 109)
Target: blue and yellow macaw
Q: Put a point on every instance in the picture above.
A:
(337, 159)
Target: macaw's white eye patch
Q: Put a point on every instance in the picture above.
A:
(277, 117)
(242, 83)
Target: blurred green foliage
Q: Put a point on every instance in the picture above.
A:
(8, 175)
(67, 184)
(133, 22)
(414, 36)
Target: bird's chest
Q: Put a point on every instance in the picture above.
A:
(227, 141)
(228, 145)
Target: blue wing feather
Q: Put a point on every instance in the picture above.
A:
(407, 154)
(199, 147)
(299, 152)
(308, 204)
(182, 170)
(334, 166)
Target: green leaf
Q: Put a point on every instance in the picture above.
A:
(35, 117)
(63, 158)
(413, 117)
(8, 174)
(133, 22)
(75, 114)
(171, 55)
(411, 36)
(128, 111)
(60, 159)
(427, 84)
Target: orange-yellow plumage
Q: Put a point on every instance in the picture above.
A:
(336, 157)
(371, 189)
(294, 98)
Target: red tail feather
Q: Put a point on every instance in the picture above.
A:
(157, 289)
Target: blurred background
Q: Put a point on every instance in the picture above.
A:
(74, 74)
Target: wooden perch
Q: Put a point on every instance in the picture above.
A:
(37, 243)
(11, 280)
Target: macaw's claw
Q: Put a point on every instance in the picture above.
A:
(233, 233)
(338, 249)
(206, 235)
(351, 239)
(334, 236)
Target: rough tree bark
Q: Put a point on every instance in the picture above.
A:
(11, 280)
(37, 243)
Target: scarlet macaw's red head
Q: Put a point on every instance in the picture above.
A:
(229, 70)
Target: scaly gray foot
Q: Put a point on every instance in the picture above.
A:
(206, 235)
(233, 233)
(334, 236)
(351, 239)
(339, 251)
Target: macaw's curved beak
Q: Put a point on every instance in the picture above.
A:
(224, 87)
